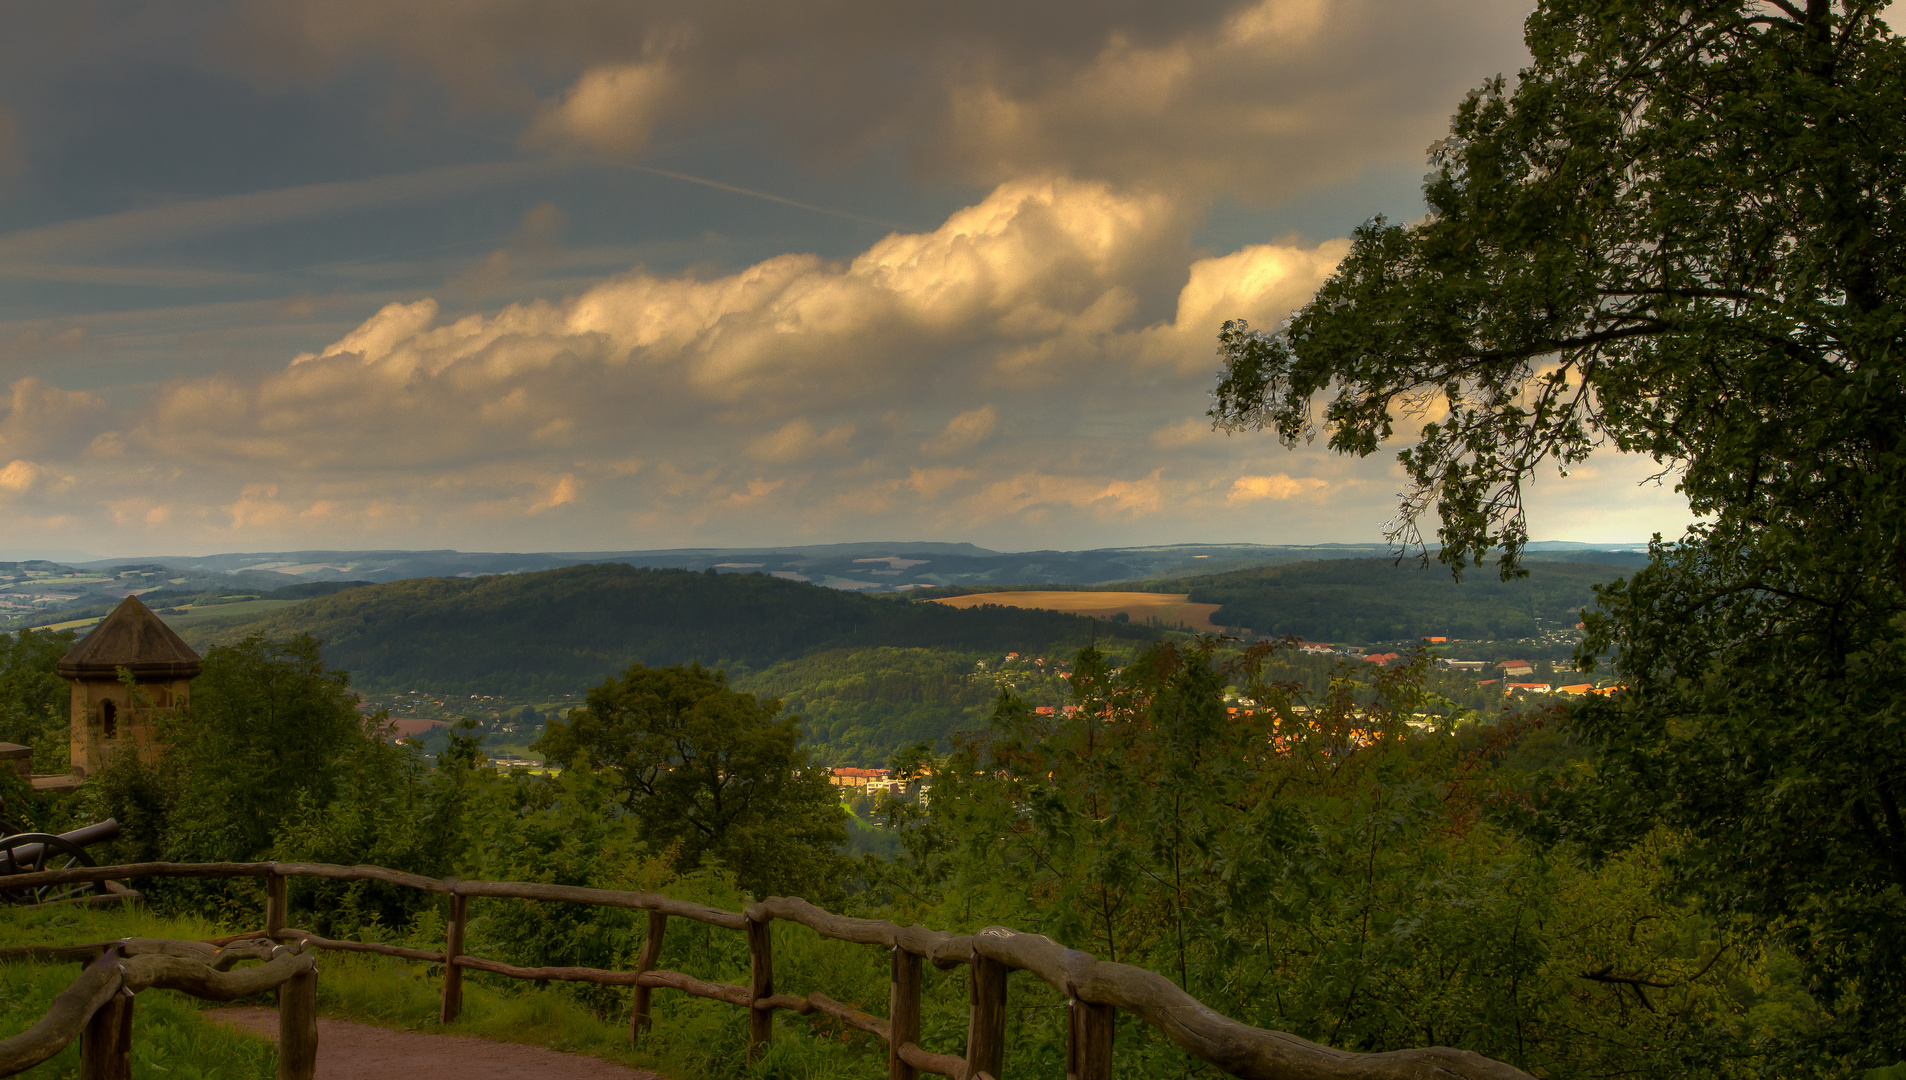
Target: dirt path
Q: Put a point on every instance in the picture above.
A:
(348, 1051)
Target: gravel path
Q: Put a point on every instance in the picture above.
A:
(348, 1051)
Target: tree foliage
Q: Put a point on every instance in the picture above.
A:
(1679, 233)
(33, 698)
(710, 775)
(1372, 600)
(1318, 862)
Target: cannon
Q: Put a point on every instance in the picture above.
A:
(28, 852)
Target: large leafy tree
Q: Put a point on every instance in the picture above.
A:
(711, 774)
(1678, 233)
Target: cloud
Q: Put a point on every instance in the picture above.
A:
(1260, 98)
(1247, 489)
(1032, 372)
(562, 491)
(43, 419)
(963, 432)
(613, 108)
(1036, 293)
(1187, 432)
(1020, 289)
(798, 439)
(201, 217)
(18, 476)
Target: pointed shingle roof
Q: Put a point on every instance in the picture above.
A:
(131, 637)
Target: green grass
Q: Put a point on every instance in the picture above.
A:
(170, 1038)
(692, 1038)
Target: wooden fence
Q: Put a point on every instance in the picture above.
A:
(1095, 990)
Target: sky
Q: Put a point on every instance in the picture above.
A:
(622, 274)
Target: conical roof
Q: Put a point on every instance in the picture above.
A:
(131, 637)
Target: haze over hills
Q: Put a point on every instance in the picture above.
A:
(873, 566)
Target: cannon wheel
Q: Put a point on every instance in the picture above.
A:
(56, 853)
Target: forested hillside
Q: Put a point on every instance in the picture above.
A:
(562, 631)
(1374, 600)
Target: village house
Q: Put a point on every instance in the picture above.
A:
(857, 778)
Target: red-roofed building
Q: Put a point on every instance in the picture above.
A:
(849, 777)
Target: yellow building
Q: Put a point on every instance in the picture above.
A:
(107, 715)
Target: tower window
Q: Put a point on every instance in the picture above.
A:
(109, 718)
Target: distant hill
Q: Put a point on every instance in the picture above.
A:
(562, 631)
(871, 566)
(1377, 600)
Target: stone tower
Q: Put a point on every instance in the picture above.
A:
(107, 715)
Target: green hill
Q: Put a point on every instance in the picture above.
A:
(1376, 600)
(562, 631)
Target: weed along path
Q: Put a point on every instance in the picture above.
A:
(350, 1051)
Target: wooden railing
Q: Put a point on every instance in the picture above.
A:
(1095, 990)
(97, 1008)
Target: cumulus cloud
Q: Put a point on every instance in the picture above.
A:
(613, 108)
(1248, 489)
(42, 419)
(1261, 97)
(1023, 371)
(798, 439)
(993, 348)
(963, 432)
(18, 476)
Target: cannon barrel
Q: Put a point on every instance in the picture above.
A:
(98, 832)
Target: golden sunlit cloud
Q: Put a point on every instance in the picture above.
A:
(1252, 488)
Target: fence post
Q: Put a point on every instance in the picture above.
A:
(760, 985)
(275, 916)
(986, 1018)
(639, 1018)
(453, 948)
(298, 1027)
(105, 1047)
(904, 1009)
(1089, 1040)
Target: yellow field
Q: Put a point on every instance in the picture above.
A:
(1168, 608)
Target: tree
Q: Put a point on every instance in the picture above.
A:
(1680, 234)
(33, 697)
(268, 727)
(714, 774)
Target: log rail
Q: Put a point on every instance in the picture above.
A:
(1095, 990)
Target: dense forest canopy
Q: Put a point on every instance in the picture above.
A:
(562, 631)
(1381, 600)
